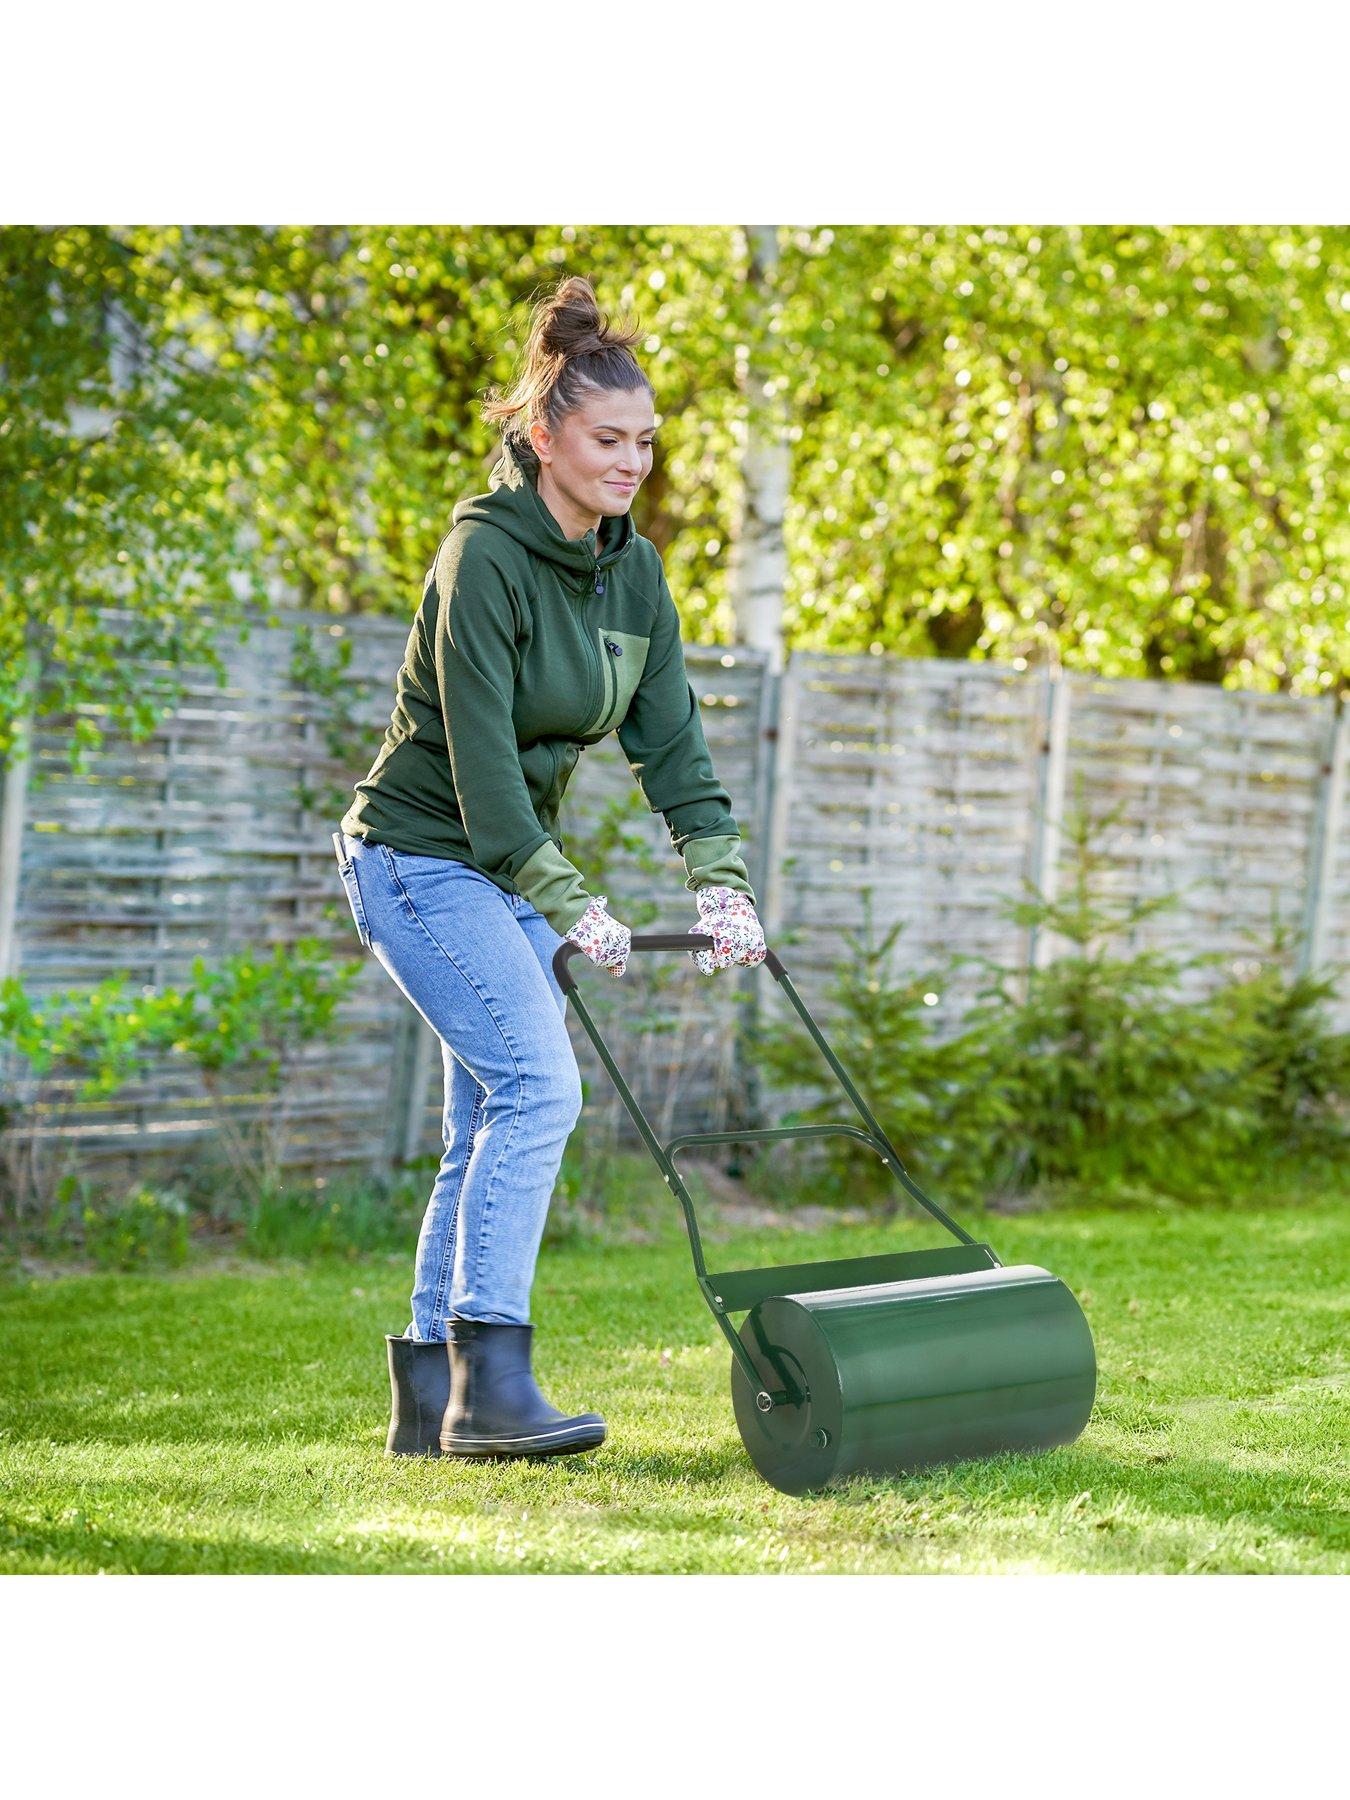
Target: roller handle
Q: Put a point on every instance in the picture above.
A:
(699, 940)
(652, 940)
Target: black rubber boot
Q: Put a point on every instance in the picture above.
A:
(495, 1407)
(419, 1375)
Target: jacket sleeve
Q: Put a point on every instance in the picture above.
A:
(662, 737)
(476, 661)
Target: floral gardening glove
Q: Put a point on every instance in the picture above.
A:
(738, 936)
(603, 939)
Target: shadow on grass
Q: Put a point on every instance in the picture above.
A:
(1177, 1489)
(1182, 1488)
(1170, 1485)
(680, 1496)
(705, 1467)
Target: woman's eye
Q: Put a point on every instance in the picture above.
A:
(609, 443)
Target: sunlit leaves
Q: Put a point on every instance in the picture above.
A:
(1123, 444)
(1128, 442)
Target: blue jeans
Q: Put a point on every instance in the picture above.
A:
(476, 962)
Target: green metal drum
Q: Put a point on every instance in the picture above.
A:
(887, 1379)
(877, 1364)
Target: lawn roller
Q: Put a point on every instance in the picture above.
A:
(877, 1365)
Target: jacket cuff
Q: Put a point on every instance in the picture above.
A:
(553, 887)
(716, 862)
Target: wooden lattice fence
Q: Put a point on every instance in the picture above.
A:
(940, 788)
(214, 835)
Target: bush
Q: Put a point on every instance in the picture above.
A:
(146, 1228)
(1300, 1066)
(356, 1215)
(1088, 1073)
(245, 1019)
(1116, 1084)
(934, 1100)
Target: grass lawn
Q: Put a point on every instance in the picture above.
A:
(231, 1417)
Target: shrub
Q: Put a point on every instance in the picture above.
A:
(248, 1017)
(934, 1100)
(1089, 1072)
(1119, 1085)
(145, 1228)
(1299, 1064)
(356, 1214)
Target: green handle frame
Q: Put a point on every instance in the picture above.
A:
(739, 1289)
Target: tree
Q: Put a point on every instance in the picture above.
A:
(1124, 445)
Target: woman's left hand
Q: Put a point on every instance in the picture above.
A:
(738, 936)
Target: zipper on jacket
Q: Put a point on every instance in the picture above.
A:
(611, 678)
(597, 574)
(550, 799)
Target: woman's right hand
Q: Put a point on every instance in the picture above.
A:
(603, 939)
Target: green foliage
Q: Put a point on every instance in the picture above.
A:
(1118, 1084)
(325, 678)
(122, 465)
(1087, 1074)
(242, 1024)
(1114, 1082)
(245, 1009)
(1128, 443)
(1299, 1064)
(1124, 443)
(935, 1100)
(99, 1033)
(354, 1215)
(145, 1227)
(256, 1011)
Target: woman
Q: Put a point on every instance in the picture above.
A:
(545, 624)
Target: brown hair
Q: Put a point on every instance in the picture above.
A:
(570, 353)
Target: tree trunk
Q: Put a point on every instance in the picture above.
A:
(758, 561)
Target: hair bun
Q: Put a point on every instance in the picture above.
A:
(571, 323)
(565, 326)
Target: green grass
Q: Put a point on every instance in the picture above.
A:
(232, 1419)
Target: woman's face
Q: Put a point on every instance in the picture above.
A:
(591, 468)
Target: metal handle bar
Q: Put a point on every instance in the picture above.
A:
(699, 940)
(654, 940)
(719, 1304)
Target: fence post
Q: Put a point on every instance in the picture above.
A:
(412, 1060)
(778, 796)
(13, 812)
(1325, 839)
(1048, 825)
(750, 1105)
(777, 731)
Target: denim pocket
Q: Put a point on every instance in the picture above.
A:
(347, 870)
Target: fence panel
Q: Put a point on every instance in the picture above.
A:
(213, 836)
(933, 790)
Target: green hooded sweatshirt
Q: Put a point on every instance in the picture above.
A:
(527, 647)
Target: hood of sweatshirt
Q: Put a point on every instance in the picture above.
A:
(513, 504)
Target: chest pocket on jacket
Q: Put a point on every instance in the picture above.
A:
(622, 660)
